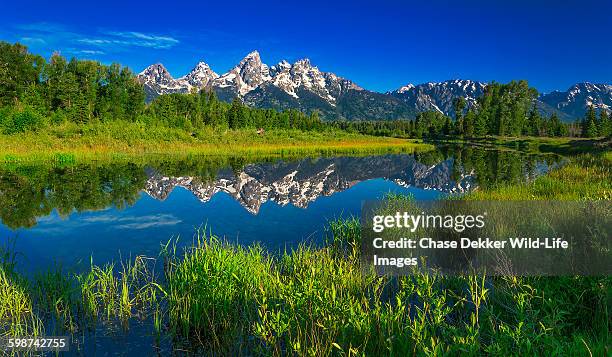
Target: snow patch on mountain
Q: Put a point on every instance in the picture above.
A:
(439, 96)
(199, 77)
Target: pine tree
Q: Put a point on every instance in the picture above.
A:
(589, 124)
(235, 116)
(469, 124)
(448, 126)
(534, 122)
(458, 106)
(481, 125)
(605, 123)
(555, 125)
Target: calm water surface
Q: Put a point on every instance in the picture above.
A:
(107, 211)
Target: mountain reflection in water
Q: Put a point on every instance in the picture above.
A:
(68, 213)
(302, 182)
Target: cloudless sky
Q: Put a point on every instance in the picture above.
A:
(381, 45)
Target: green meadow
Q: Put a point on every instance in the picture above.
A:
(123, 139)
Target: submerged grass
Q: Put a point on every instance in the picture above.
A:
(226, 299)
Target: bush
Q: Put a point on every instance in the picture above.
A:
(58, 117)
(23, 120)
(5, 116)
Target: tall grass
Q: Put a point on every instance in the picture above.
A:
(585, 177)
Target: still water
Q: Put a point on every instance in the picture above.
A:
(106, 211)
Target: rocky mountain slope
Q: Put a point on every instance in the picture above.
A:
(305, 87)
(439, 96)
(575, 101)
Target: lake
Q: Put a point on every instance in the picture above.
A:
(105, 211)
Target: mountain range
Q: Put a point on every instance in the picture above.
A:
(303, 86)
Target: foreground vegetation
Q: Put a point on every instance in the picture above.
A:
(317, 300)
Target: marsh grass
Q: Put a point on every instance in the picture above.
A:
(585, 177)
(101, 141)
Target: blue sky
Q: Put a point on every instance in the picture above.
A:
(381, 45)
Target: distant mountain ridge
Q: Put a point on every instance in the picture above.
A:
(303, 86)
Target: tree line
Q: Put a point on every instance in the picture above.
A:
(504, 110)
(35, 92)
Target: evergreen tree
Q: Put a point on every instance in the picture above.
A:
(481, 125)
(235, 115)
(555, 126)
(589, 124)
(458, 107)
(605, 126)
(469, 124)
(534, 122)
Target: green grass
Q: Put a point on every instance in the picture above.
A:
(584, 177)
(224, 298)
(104, 140)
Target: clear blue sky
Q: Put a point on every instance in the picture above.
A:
(381, 45)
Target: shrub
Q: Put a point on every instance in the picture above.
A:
(23, 120)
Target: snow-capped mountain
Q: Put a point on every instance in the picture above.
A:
(305, 87)
(245, 77)
(440, 96)
(157, 81)
(300, 85)
(576, 100)
(568, 105)
(199, 77)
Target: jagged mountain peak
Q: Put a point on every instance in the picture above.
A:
(252, 59)
(591, 87)
(303, 62)
(405, 88)
(282, 66)
(303, 86)
(157, 80)
(200, 76)
(253, 55)
(245, 77)
(201, 66)
(156, 71)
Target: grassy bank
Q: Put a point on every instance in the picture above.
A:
(317, 301)
(537, 144)
(123, 138)
(584, 177)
